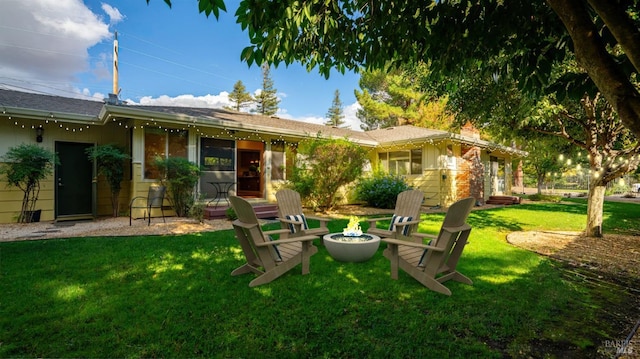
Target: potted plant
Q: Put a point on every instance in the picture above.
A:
(109, 160)
(25, 166)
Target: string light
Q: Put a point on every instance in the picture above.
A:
(232, 134)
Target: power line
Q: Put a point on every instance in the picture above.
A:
(175, 63)
(41, 50)
(150, 43)
(55, 34)
(101, 59)
(168, 75)
(57, 92)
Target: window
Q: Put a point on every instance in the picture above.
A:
(383, 160)
(160, 144)
(277, 160)
(450, 160)
(401, 162)
(217, 155)
(416, 162)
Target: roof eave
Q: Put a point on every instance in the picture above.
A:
(46, 115)
(461, 139)
(113, 111)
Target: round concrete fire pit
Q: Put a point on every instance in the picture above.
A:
(351, 248)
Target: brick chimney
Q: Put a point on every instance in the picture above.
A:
(468, 130)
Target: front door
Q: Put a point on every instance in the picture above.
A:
(249, 174)
(74, 182)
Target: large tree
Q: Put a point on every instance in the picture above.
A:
(452, 36)
(335, 113)
(588, 125)
(399, 97)
(267, 100)
(594, 127)
(240, 97)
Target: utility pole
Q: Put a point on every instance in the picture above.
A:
(115, 64)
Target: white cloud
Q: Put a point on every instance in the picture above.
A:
(114, 14)
(351, 121)
(312, 119)
(45, 42)
(206, 101)
(350, 117)
(221, 100)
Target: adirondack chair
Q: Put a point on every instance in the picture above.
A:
(291, 216)
(266, 257)
(405, 219)
(434, 263)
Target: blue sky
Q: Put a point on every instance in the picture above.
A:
(167, 56)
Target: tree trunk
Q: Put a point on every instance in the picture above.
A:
(592, 55)
(595, 208)
(115, 202)
(540, 183)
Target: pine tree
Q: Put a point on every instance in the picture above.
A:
(266, 100)
(335, 115)
(400, 97)
(240, 97)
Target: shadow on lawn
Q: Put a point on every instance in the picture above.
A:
(173, 296)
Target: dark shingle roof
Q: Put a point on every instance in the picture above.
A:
(258, 120)
(35, 101)
(67, 105)
(403, 133)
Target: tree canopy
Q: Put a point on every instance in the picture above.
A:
(399, 97)
(453, 36)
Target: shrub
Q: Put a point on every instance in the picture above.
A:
(545, 198)
(617, 188)
(328, 165)
(180, 177)
(197, 210)
(110, 162)
(381, 189)
(231, 214)
(25, 166)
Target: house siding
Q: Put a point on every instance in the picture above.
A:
(81, 121)
(21, 130)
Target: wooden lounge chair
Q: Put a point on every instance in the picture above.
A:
(434, 263)
(405, 219)
(291, 216)
(266, 257)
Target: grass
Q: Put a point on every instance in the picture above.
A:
(173, 296)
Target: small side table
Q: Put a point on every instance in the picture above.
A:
(222, 192)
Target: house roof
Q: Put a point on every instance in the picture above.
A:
(403, 133)
(28, 101)
(410, 134)
(241, 120)
(36, 105)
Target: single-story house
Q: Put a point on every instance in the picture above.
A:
(252, 153)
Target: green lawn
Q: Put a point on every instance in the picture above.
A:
(173, 296)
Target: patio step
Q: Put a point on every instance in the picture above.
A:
(263, 211)
(506, 200)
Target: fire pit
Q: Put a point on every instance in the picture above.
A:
(351, 245)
